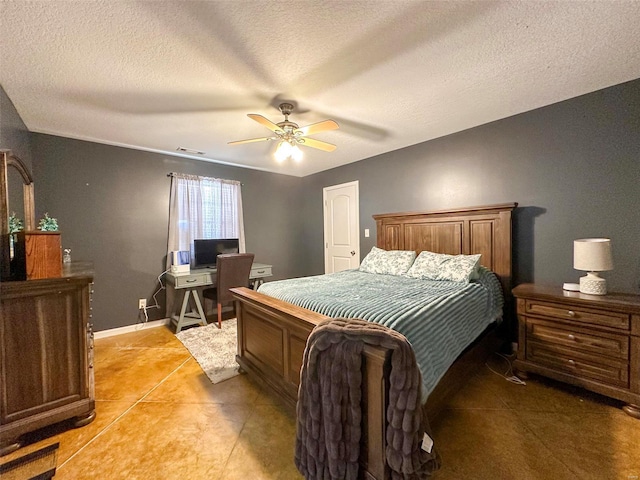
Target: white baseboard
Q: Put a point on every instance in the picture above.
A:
(131, 328)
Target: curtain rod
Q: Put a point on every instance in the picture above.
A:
(174, 174)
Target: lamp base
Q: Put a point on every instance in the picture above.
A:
(592, 284)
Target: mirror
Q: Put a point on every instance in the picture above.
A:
(14, 191)
(13, 172)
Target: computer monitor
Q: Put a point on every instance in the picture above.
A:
(206, 251)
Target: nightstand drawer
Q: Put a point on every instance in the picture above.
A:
(578, 314)
(599, 343)
(192, 280)
(604, 370)
(260, 272)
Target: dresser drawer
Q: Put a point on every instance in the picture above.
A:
(184, 281)
(599, 343)
(603, 370)
(578, 314)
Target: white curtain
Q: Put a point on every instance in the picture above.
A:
(203, 207)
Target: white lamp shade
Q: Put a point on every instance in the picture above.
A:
(592, 254)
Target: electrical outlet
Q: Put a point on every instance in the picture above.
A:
(142, 303)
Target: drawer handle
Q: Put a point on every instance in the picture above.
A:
(572, 363)
(571, 313)
(571, 337)
(261, 271)
(192, 280)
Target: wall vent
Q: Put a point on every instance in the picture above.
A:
(189, 150)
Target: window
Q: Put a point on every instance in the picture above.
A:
(203, 207)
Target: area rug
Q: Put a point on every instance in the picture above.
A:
(213, 348)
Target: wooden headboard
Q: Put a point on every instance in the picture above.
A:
(485, 230)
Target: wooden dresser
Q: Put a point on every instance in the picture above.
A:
(592, 341)
(46, 363)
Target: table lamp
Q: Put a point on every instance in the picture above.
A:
(592, 255)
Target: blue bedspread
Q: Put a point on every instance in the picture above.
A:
(440, 319)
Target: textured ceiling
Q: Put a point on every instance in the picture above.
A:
(157, 75)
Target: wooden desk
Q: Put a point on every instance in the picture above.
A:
(191, 284)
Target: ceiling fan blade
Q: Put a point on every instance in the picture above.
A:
(263, 121)
(319, 127)
(310, 142)
(251, 140)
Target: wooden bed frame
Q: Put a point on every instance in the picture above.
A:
(272, 334)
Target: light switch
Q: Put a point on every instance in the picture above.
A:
(366, 233)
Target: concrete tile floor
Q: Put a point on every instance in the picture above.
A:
(159, 416)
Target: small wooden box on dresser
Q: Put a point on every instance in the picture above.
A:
(46, 356)
(38, 255)
(592, 341)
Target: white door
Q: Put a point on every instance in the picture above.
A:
(341, 227)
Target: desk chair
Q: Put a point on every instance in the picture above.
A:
(233, 270)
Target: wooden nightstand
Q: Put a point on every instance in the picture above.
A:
(592, 341)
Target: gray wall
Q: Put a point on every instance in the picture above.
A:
(573, 168)
(14, 136)
(112, 205)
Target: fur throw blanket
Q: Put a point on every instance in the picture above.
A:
(329, 416)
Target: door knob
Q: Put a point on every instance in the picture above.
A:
(353, 252)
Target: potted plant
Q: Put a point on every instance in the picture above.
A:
(15, 225)
(48, 224)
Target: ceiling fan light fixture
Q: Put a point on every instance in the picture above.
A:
(286, 150)
(296, 153)
(290, 136)
(283, 151)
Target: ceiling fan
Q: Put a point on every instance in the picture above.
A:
(291, 135)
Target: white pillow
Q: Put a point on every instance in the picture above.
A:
(439, 266)
(387, 262)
